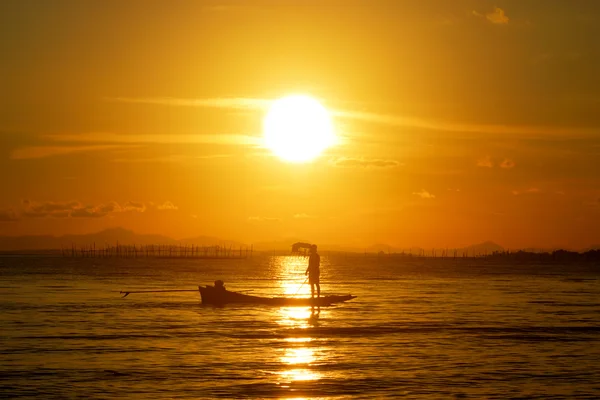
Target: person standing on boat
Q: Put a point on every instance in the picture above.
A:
(313, 271)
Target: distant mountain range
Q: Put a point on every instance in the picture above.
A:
(108, 237)
(111, 237)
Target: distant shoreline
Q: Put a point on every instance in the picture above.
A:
(517, 257)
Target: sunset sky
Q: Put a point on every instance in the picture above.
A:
(457, 121)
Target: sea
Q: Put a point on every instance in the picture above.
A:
(419, 329)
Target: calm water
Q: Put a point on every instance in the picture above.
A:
(417, 330)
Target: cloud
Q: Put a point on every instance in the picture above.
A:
(365, 163)
(171, 158)
(8, 215)
(66, 144)
(263, 219)
(33, 209)
(110, 207)
(257, 104)
(236, 103)
(507, 164)
(526, 191)
(167, 205)
(27, 153)
(108, 137)
(498, 16)
(75, 209)
(85, 212)
(304, 216)
(485, 162)
(134, 206)
(424, 194)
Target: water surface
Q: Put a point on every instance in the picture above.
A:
(418, 330)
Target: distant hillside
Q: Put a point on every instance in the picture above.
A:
(127, 237)
(211, 241)
(483, 248)
(106, 237)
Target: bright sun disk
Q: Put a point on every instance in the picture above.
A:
(298, 128)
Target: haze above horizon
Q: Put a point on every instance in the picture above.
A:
(434, 124)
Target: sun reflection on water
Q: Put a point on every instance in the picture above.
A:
(298, 356)
(301, 352)
(294, 375)
(298, 361)
(295, 317)
(291, 272)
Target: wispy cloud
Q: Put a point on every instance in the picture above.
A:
(167, 205)
(49, 209)
(304, 216)
(488, 162)
(171, 158)
(66, 144)
(364, 163)
(507, 163)
(485, 162)
(73, 209)
(76, 209)
(424, 194)
(32, 152)
(465, 127)
(258, 104)
(110, 138)
(497, 16)
(237, 103)
(134, 206)
(8, 215)
(263, 219)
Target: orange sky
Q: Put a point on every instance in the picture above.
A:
(460, 121)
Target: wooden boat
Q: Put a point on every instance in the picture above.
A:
(220, 296)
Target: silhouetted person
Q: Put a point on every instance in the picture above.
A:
(313, 271)
(220, 285)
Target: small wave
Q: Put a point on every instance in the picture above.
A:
(579, 279)
(368, 331)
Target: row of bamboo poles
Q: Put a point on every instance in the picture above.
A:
(158, 251)
(437, 253)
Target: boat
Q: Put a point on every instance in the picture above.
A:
(218, 295)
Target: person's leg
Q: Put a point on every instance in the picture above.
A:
(318, 289)
(312, 289)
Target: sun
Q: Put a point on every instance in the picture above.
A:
(298, 128)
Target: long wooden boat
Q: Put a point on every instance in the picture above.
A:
(222, 296)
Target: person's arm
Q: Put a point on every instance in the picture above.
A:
(307, 268)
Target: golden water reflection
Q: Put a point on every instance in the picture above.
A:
(298, 359)
(294, 375)
(298, 356)
(301, 353)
